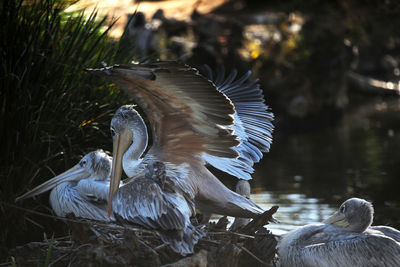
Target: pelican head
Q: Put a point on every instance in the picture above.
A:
(95, 165)
(130, 140)
(98, 164)
(354, 215)
(243, 188)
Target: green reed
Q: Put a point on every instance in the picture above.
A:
(52, 111)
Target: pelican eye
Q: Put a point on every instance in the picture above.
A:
(82, 163)
(342, 209)
(112, 132)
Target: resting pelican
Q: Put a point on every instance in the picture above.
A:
(83, 191)
(346, 239)
(192, 124)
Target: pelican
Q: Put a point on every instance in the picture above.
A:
(83, 191)
(345, 239)
(243, 189)
(192, 124)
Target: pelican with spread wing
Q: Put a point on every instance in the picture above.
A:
(345, 239)
(192, 124)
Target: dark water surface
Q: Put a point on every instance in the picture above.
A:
(310, 173)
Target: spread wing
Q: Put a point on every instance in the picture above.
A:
(253, 123)
(186, 112)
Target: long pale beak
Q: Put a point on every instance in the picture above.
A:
(121, 142)
(338, 219)
(76, 173)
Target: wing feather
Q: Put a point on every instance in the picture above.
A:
(143, 202)
(322, 245)
(158, 202)
(66, 199)
(253, 123)
(388, 231)
(360, 250)
(186, 112)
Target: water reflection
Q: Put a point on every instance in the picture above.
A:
(358, 156)
(294, 210)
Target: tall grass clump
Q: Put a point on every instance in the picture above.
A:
(52, 112)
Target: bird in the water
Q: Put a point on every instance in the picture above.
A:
(192, 124)
(81, 190)
(150, 200)
(344, 239)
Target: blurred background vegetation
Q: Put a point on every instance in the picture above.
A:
(52, 112)
(316, 60)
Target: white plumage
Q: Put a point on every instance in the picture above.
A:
(149, 200)
(82, 190)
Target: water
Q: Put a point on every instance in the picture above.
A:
(308, 174)
(294, 210)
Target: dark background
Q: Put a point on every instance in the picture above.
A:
(335, 129)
